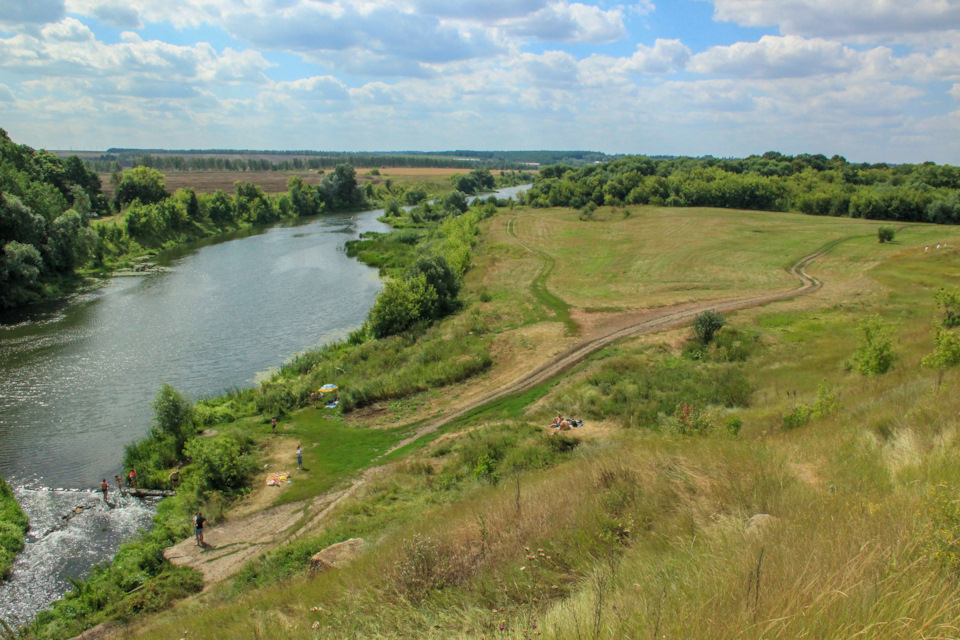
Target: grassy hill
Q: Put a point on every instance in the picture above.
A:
(755, 487)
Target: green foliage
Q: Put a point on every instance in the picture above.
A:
(885, 234)
(874, 355)
(439, 275)
(401, 305)
(140, 183)
(946, 336)
(706, 324)
(223, 462)
(811, 184)
(173, 415)
(641, 390)
(392, 208)
(414, 196)
(801, 414)
(940, 530)
(948, 300)
(13, 526)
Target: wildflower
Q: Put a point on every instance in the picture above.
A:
(523, 568)
(501, 627)
(315, 625)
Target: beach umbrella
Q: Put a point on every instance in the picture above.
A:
(328, 387)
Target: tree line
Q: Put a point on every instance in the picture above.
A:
(117, 160)
(812, 184)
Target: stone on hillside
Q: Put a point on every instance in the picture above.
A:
(758, 523)
(337, 555)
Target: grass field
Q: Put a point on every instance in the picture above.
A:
(840, 526)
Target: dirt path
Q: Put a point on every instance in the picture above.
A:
(233, 543)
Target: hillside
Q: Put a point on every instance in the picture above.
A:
(755, 487)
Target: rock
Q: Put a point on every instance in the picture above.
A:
(337, 555)
(758, 523)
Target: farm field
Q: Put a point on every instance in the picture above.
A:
(807, 501)
(275, 182)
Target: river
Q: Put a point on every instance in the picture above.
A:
(76, 382)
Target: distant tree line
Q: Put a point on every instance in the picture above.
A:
(812, 184)
(115, 161)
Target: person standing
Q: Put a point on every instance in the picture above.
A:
(299, 457)
(198, 521)
(119, 482)
(104, 487)
(273, 425)
(313, 398)
(133, 479)
(174, 478)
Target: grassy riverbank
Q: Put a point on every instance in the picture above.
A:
(840, 524)
(754, 478)
(13, 527)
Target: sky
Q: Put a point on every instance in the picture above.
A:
(871, 80)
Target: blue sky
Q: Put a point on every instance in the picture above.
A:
(872, 80)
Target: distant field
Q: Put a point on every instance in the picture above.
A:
(665, 256)
(276, 181)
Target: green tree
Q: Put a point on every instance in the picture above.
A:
(455, 202)
(706, 324)
(946, 336)
(402, 304)
(20, 266)
(221, 210)
(949, 303)
(414, 196)
(173, 417)
(439, 275)
(885, 234)
(874, 355)
(140, 183)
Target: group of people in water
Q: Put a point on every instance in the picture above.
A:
(131, 483)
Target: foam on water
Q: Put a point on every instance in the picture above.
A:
(57, 549)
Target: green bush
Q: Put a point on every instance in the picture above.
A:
(885, 234)
(222, 463)
(874, 355)
(706, 324)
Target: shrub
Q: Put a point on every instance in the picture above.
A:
(706, 324)
(885, 234)
(221, 463)
(874, 355)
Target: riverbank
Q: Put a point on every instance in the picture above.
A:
(236, 416)
(13, 527)
(696, 463)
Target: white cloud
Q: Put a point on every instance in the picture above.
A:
(18, 12)
(575, 22)
(777, 57)
(880, 18)
(67, 30)
(5, 94)
(69, 55)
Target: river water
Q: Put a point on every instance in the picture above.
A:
(76, 382)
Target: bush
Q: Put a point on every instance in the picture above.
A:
(706, 324)
(173, 417)
(885, 234)
(874, 355)
(222, 463)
